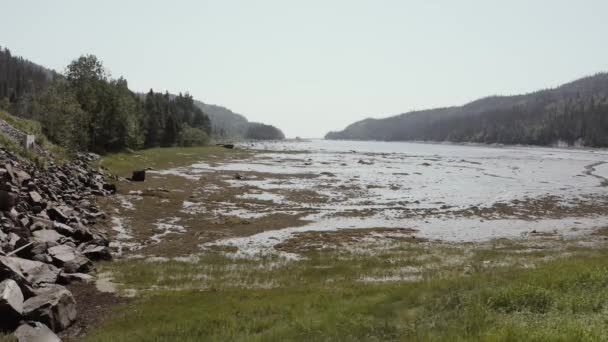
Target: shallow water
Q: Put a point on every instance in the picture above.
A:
(393, 178)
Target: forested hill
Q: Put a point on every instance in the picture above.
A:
(86, 109)
(225, 124)
(575, 113)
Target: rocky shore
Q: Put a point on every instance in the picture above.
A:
(48, 240)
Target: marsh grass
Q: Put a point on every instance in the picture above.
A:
(321, 298)
(124, 163)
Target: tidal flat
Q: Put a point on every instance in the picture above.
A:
(339, 240)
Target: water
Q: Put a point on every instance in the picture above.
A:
(415, 185)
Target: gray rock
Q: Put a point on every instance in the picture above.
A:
(28, 272)
(11, 303)
(63, 229)
(69, 259)
(35, 332)
(35, 197)
(47, 235)
(54, 306)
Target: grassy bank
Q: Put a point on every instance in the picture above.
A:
(322, 298)
(124, 163)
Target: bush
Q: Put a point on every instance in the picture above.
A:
(190, 136)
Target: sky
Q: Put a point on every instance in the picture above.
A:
(313, 66)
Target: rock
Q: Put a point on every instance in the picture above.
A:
(109, 187)
(35, 332)
(238, 176)
(228, 146)
(11, 304)
(64, 229)
(97, 252)
(27, 272)
(81, 232)
(35, 197)
(138, 176)
(69, 259)
(57, 214)
(68, 278)
(22, 177)
(47, 235)
(54, 306)
(8, 200)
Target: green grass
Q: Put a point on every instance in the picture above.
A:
(32, 127)
(161, 158)
(321, 300)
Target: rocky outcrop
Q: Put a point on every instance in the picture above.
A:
(48, 236)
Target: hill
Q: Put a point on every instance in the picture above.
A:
(575, 113)
(226, 124)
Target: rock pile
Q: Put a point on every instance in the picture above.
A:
(47, 240)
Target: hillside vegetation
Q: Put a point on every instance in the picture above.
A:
(574, 114)
(225, 124)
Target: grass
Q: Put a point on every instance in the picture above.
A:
(32, 127)
(124, 163)
(322, 299)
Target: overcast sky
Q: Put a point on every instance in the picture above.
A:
(318, 65)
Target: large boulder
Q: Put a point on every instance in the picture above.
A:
(69, 259)
(11, 304)
(138, 176)
(54, 306)
(28, 272)
(35, 332)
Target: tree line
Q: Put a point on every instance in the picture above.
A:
(85, 109)
(573, 114)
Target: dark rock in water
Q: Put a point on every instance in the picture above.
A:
(35, 332)
(54, 306)
(11, 304)
(111, 188)
(238, 176)
(8, 200)
(229, 146)
(139, 176)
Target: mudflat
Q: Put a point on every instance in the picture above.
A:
(264, 233)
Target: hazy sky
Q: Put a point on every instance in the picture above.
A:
(313, 66)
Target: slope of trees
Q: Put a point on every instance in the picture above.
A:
(85, 109)
(259, 131)
(225, 124)
(19, 77)
(574, 114)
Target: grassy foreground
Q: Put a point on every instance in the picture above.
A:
(319, 300)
